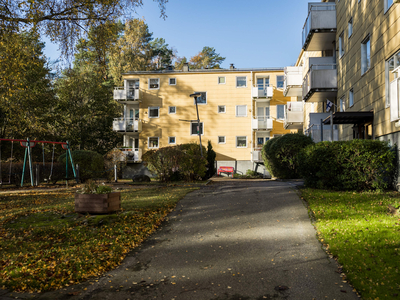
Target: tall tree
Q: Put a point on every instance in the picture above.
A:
(162, 53)
(132, 51)
(206, 58)
(26, 93)
(63, 21)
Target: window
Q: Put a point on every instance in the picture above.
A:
(260, 141)
(154, 112)
(392, 85)
(262, 83)
(221, 109)
(388, 4)
(172, 81)
(153, 142)
(241, 81)
(351, 98)
(342, 103)
(172, 140)
(172, 109)
(221, 80)
(154, 83)
(133, 85)
(365, 55)
(267, 112)
(221, 140)
(241, 142)
(280, 112)
(341, 44)
(280, 79)
(202, 99)
(350, 27)
(194, 129)
(241, 110)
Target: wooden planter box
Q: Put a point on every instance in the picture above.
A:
(97, 203)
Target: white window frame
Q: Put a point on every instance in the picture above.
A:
(350, 28)
(241, 136)
(365, 60)
(153, 137)
(194, 101)
(221, 112)
(158, 85)
(277, 111)
(169, 110)
(342, 104)
(237, 107)
(169, 81)
(387, 6)
(341, 44)
(223, 78)
(169, 140)
(221, 136)
(239, 87)
(201, 126)
(154, 108)
(351, 97)
(392, 86)
(283, 81)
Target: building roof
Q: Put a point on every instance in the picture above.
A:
(191, 71)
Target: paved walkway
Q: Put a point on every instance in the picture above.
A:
(229, 240)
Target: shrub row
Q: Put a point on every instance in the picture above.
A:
(343, 165)
(181, 162)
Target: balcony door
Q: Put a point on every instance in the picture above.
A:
(262, 84)
(132, 86)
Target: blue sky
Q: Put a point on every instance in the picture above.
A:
(250, 34)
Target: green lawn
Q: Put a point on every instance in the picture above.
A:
(357, 230)
(45, 245)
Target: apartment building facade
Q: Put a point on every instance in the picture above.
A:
(239, 110)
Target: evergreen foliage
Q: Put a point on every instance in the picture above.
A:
(280, 154)
(91, 164)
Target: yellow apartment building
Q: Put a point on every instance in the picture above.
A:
(350, 56)
(239, 110)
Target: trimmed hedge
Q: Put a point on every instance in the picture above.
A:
(280, 154)
(181, 162)
(91, 164)
(348, 165)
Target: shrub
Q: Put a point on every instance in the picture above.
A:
(176, 163)
(211, 155)
(348, 165)
(91, 164)
(280, 154)
(112, 158)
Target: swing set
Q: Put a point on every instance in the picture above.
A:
(28, 145)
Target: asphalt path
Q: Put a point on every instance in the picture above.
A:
(230, 240)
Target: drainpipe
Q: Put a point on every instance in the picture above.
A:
(251, 113)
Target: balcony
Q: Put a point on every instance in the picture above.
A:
(127, 125)
(256, 155)
(320, 81)
(262, 92)
(294, 115)
(261, 123)
(132, 154)
(129, 96)
(292, 86)
(314, 128)
(319, 30)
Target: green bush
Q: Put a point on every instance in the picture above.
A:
(181, 162)
(211, 155)
(348, 165)
(280, 154)
(91, 164)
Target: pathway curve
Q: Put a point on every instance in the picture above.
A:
(229, 240)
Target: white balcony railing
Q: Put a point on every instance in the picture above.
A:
(122, 94)
(294, 115)
(262, 123)
(132, 154)
(256, 155)
(262, 92)
(314, 131)
(127, 125)
(321, 21)
(321, 79)
(292, 85)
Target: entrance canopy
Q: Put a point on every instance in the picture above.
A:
(359, 117)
